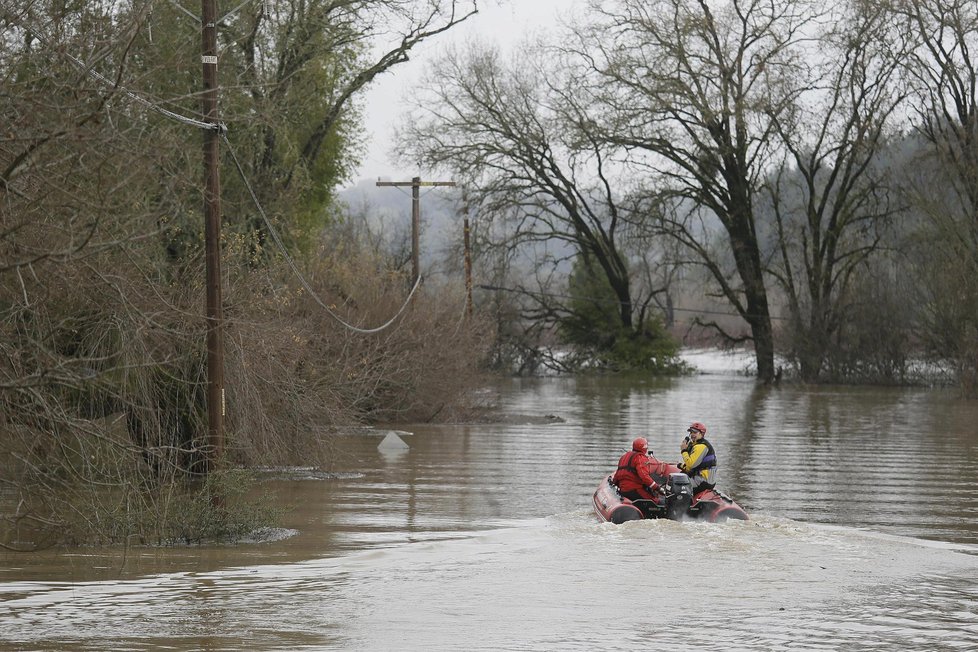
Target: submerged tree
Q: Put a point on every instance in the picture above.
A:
(830, 196)
(694, 92)
(943, 80)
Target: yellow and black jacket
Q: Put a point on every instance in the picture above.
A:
(700, 463)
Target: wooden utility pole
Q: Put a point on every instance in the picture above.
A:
(468, 263)
(416, 184)
(212, 238)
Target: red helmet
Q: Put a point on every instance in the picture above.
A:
(698, 427)
(640, 444)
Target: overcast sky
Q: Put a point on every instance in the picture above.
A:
(502, 21)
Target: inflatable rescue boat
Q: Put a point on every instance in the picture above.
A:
(678, 503)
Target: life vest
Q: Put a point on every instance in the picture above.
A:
(632, 473)
(630, 463)
(709, 460)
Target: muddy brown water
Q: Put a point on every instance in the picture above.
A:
(863, 535)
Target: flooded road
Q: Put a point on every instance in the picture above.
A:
(863, 535)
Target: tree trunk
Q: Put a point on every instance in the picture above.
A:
(763, 334)
(748, 259)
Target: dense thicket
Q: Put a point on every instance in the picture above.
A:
(102, 361)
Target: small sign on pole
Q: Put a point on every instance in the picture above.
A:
(392, 443)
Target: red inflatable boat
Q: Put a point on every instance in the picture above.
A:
(677, 504)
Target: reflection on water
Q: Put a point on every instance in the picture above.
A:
(862, 532)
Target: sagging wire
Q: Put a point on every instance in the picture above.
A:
(606, 301)
(295, 269)
(179, 6)
(113, 85)
(221, 128)
(223, 18)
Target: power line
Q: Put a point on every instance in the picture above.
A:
(196, 18)
(295, 269)
(222, 130)
(605, 300)
(111, 84)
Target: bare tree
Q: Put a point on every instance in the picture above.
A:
(943, 78)
(830, 195)
(694, 92)
(511, 133)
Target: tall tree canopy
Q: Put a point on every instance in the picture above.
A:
(694, 89)
(942, 78)
(831, 194)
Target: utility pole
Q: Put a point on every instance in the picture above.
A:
(212, 237)
(468, 262)
(416, 184)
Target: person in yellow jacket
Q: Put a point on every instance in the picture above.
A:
(699, 458)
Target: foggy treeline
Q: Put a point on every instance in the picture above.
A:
(808, 167)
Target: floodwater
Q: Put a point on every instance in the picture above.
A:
(863, 536)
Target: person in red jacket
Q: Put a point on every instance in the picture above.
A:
(632, 477)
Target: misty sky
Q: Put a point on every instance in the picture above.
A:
(502, 21)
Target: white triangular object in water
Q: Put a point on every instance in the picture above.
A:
(393, 443)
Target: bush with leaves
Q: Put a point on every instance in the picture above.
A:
(594, 330)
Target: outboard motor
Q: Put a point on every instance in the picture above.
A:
(680, 496)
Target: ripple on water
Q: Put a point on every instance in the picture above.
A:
(541, 584)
